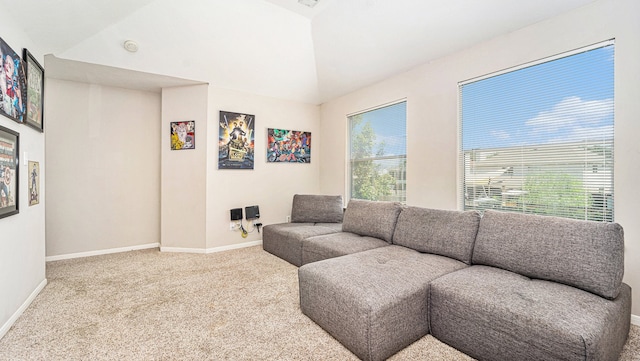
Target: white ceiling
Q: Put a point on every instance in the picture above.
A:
(276, 48)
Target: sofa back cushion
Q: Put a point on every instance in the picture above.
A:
(371, 218)
(584, 254)
(312, 208)
(441, 232)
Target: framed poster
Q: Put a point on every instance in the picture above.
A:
(13, 94)
(183, 135)
(236, 141)
(34, 73)
(34, 183)
(9, 150)
(290, 146)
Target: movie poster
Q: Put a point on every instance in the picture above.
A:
(236, 141)
(290, 146)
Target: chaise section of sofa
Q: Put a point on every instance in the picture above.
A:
(540, 288)
(376, 302)
(311, 215)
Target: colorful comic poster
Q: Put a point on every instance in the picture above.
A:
(236, 141)
(13, 88)
(290, 146)
(183, 135)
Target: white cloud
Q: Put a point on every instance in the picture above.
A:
(570, 114)
(584, 133)
(500, 134)
(571, 120)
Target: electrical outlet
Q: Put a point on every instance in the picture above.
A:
(233, 226)
(288, 219)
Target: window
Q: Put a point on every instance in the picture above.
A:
(377, 153)
(539, 139)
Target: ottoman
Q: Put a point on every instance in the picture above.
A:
(374, 302)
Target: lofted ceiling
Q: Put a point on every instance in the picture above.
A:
(277, 48)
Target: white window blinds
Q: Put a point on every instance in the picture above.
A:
(377, 153)
(539, 139)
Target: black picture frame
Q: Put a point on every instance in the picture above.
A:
(9, 172)
(34, 73)
(236, 140)
(13, 94)
(183, 135)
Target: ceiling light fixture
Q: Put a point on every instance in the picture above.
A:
(309, 3)
(131, 46)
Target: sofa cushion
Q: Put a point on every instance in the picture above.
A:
(443, 232)
(493, 314)
(585, 254)
(374, 302)
(371, 218)
(285, 239)
(316, 208)
(319, 248)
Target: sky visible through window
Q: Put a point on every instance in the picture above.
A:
(394, 137)
(563, 100)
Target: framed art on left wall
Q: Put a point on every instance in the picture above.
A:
(35, 92)
(9, 150)
(13, 91)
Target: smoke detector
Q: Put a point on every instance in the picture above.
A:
(309, 3)
(131, 46)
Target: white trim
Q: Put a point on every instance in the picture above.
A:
(101, 252)
(635, 320)
(584, 49)
(7, 326)
(234, 246)
(182, 250)
(384, 105)
(211, 250)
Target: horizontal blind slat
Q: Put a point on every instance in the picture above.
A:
(539, 139)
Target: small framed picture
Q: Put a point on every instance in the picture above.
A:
(35, 92)
(9, 150)
(34, 183)
(183, 135)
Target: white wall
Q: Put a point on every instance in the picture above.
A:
(432, 106)
(184, 172)
(117, 184)
(104, 185)
(197, 196)
(271, 186)
(22, 248)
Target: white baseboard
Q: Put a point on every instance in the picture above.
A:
(211, 250)
(101, 252)
(183, 250)
(234, 246)
(5, 328)
(635, 320)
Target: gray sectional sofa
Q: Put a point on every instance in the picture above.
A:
(501, 286)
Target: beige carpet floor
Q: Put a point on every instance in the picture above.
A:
(148, 305)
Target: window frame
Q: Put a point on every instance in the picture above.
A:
(349, 162)
(462, 178)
